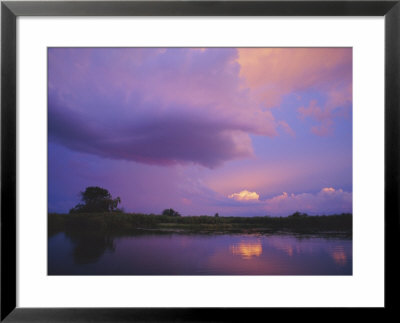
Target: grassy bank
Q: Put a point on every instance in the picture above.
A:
(127, 223)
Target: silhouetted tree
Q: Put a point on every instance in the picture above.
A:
(96, 199)
(216, 215)
(170, 212)
(298, 214)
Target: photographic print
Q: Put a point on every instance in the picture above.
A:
(200, 161)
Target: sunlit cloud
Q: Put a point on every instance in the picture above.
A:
(328, 200)
(272, 73)
(324, 114)
(245, 195)
(330, 190)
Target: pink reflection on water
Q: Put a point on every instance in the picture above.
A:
(339, 256)
(247, 250)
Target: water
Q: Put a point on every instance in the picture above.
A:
(199, 254)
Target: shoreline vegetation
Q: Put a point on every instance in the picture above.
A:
(122, 224)
(98, 213)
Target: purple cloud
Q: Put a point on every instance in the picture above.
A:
(161, 142)
(155, 106)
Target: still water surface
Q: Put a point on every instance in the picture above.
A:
(196, 254)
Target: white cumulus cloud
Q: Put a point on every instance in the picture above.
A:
(245, 195)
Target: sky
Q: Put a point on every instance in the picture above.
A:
(233, 131)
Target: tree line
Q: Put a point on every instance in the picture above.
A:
(95, 199)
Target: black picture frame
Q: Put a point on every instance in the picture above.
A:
(10, 10)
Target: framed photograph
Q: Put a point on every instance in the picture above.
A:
(195, 160)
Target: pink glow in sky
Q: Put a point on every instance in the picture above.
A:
(193, 129)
